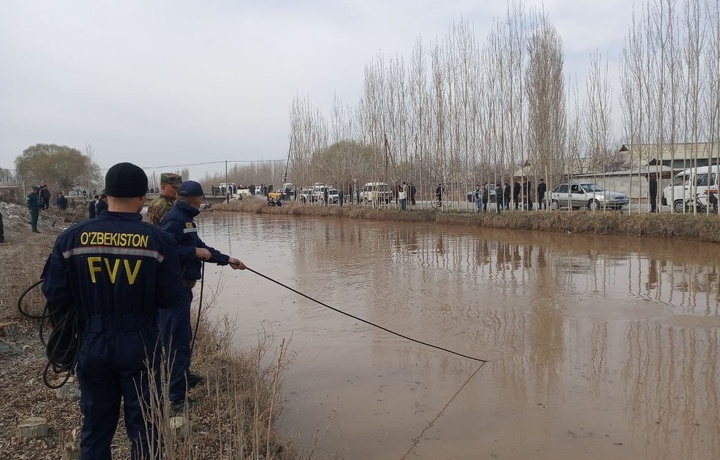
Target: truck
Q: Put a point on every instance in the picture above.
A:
(693, 182)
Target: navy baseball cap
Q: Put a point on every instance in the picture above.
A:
(190, 188)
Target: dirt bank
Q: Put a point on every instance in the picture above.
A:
(680, 226)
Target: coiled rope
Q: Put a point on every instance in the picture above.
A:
(63, 344)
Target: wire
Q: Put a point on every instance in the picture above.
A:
(63, 344)
(366, 321)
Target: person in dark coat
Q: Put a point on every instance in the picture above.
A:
(101, 206)
(498, 197)
(62, 202)
(2, 230)
(113, 274)
(33, 204)
(45, 196)
(175, 327)
(516, 194)
(541, 189)
(652, 179)
(91, 207)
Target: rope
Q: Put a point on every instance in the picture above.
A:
(368, 322)
(63, 344)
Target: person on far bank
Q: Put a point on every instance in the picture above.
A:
(498, 197)
(91, 207)
(541, 189)
(102, 205)
(45, 195)
(516, 194)
(653, 192)
(477, 197)
(62, 202)
(402, 196)
(160, 205)
(175, 327)
(33, 204)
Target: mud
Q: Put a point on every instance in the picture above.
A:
(598, 347)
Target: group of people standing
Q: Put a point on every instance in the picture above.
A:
(404, 194)
(129, 284)
(507, 195)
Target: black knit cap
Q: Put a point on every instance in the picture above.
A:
(126, 180)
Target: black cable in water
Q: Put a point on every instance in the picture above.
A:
(366, 321)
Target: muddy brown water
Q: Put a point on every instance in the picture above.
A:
(598, 347)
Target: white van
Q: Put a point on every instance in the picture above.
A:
(691, 182)
(378, 192)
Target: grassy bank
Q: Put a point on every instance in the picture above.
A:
(679, 226)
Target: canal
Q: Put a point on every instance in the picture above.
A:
(597, 347)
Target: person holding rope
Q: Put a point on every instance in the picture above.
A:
(112, 275)
(175, 327)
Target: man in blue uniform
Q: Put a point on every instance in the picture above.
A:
(115, 272)
(175, 327)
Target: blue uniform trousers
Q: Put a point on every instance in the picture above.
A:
(112, 366)
(176, 335)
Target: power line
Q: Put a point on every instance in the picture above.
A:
(208, 163)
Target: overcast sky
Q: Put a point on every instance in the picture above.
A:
(178, 82)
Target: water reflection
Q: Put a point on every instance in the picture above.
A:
(611, 339)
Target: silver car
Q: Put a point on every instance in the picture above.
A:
(586, 195)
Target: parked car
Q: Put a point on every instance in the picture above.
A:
(586, 194)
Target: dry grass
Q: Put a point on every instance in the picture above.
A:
(680, 226)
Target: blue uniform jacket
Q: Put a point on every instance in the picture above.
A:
(115, 269)
(179, 223)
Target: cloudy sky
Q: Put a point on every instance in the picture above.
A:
(161, 82)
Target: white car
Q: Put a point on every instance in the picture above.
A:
(586, 195)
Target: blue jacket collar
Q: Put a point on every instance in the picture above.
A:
(186, 208)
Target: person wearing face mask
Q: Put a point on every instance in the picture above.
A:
(175, 327)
